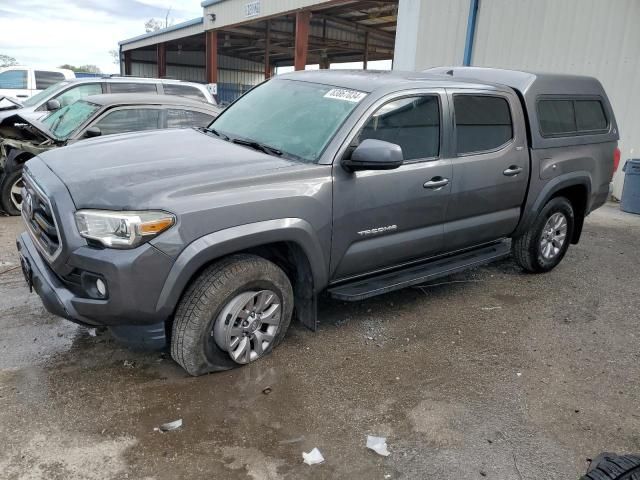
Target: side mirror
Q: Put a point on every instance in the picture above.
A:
(93, 132)
(53, 105)
(374, 154)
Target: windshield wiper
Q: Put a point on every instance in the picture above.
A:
(258, 146)
(215, 132)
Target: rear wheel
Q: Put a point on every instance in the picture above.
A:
(544, 245)
(234, 313)
(11, 191)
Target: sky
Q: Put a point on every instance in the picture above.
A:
(49, 33)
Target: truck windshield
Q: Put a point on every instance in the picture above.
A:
(296, 118)
(63, 122)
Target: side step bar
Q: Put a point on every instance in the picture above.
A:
(417, 274)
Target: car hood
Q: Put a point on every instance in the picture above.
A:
(145, 169)
(9, 103)
(20, 128)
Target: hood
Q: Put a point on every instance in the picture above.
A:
(144, 169)
(9, 103)
(19, 128)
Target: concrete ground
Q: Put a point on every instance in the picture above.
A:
(489, 374)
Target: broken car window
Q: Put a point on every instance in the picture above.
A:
(63, 122)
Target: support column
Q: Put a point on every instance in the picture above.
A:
(127, 62)
(212, 56)
(302, 39)
(267, 48)
(365, 59)
(161, 59)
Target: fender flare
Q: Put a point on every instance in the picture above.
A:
(553, 186)
(235, 239)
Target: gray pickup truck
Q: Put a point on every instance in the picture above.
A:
(351, 184)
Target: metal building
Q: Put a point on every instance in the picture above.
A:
(238, 43)
(585, 37)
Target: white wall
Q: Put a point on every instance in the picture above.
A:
(589, 37)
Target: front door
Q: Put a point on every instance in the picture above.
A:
(490, 168)
(385, 218)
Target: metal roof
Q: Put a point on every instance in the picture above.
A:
(172, 28)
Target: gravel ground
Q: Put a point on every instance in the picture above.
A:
(492, 373)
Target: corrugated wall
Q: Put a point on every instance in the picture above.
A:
(590, 37)
(430, 33)
(235, 75)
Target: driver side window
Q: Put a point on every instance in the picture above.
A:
(76, 93)
(411, 122)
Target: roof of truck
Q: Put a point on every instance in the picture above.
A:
(371, 80)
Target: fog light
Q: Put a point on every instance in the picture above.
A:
(101, 287)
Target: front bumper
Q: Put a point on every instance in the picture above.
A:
(134, 277)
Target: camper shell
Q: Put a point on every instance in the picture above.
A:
(532, 88)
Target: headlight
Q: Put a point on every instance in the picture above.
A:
(122, 229)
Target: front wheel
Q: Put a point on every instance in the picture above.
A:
(544, 245)
(11, 191)
(234, 313)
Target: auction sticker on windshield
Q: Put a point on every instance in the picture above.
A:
(345, 95)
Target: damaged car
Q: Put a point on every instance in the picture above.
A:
(93, 116)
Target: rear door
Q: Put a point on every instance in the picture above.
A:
(385, 218)
(490, 167)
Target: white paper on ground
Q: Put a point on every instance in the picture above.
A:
(378, 445)
(313, 457)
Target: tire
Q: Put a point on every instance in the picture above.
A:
(609, 466)
(206, 313)
(8, 181)
(528, 249)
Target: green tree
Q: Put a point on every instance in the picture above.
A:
(82, 68)
(7, 61)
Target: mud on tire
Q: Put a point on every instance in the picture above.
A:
(526, 248)
(193, 345)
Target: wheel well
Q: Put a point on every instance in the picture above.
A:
(291, 258)
(578, 196)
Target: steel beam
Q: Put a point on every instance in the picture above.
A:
(302, 39)
(212, 56)
(161, 59)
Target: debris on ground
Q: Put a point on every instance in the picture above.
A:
(129, 364)
(92, 332)
(291, 440)
(167, 427)
(378, 445)
(487, 309)
(519, 374)
(267, 390)
(313, 457)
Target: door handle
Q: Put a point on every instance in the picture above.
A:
(21, 96)
(512, 171)
(436, 183)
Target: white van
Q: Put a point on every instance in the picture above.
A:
(21, 82)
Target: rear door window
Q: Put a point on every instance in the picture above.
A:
(411, 122)
(483, 122)
(122, 87)
(183, 91)
(15, 79)
(45, 79)
(177, 118)
(129, 120)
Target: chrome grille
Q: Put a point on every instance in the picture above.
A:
(38, 216)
